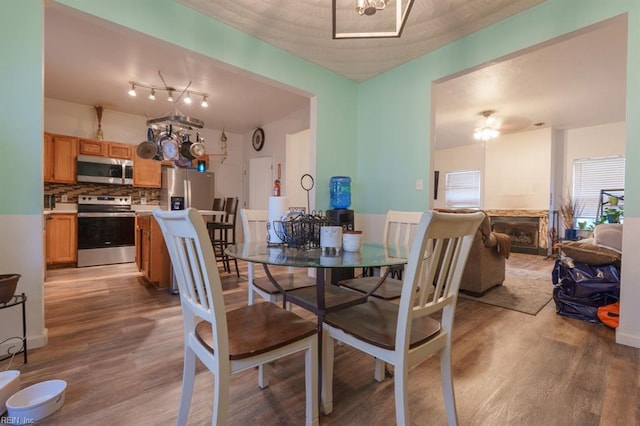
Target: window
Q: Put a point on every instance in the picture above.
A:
(590, 176)
(462, 189)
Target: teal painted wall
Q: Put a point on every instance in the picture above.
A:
(21, 109)
(394, 109)
(336, 95)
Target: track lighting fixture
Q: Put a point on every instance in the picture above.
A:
(187, 93)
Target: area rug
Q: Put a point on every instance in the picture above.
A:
(523, 291)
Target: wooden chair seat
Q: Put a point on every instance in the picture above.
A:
(258, 329)
(375, 322)
(286, 280)
(334, 298)
(390, 289)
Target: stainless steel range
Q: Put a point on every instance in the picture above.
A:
(106, 230)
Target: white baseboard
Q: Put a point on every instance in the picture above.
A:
(12, 344)
(628, 339)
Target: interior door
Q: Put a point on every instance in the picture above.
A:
(260, 182)
(298, 163)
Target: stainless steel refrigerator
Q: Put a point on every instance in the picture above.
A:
(184, 188)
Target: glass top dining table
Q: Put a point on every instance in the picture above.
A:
(371, 255)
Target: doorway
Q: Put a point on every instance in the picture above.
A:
(260, 182)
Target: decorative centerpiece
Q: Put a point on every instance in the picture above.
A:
(99, 134)
(570, 210)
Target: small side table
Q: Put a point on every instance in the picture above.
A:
(18, 299)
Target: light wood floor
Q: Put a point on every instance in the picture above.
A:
(118, 343)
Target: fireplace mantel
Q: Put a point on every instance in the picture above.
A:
(543, 223)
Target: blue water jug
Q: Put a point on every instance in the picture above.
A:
(340, 188)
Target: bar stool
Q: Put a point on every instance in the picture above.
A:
(223, 233)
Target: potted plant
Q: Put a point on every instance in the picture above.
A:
(570, 210)
(613, 214)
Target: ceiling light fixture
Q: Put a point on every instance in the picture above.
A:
(369, 7)
(487, 130)
(347, 24)
(169, 89)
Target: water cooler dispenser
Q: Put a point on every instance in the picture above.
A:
(340, 215)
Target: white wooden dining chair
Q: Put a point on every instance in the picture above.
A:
(228, 342)
(405, 334)
(399, 230)
(254, 226)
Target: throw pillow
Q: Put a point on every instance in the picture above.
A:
(589, 253)
(609, 235)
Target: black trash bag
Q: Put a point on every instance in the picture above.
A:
(579, 288)
(574, 308)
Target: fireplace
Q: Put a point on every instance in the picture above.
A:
(523, 230)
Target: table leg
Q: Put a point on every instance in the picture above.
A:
(320, 283)
(275, 283)
(24, 327)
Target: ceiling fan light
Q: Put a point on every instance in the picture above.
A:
(369, 7)
(487, 130)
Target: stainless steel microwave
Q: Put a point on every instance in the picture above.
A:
(104, 170)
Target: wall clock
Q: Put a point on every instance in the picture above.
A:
(258, 139)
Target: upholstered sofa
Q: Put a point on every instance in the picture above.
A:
(485, 267)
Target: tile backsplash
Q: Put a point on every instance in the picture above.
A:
(72, 191)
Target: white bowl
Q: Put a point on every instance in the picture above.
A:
(352, 242)
(9, 384)
(36, 402)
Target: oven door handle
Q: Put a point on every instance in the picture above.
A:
(103, 214)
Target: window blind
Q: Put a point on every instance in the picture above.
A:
(462, 189)
(591, 175)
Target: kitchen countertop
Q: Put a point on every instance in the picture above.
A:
(139, 209)
(149, 212)
(62, 208)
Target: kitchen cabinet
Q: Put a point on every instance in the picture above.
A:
(60, 155)
(152, 256)
(61, 238)
(105, 149)
(146, 173)
(91, 147)
(119, 150)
